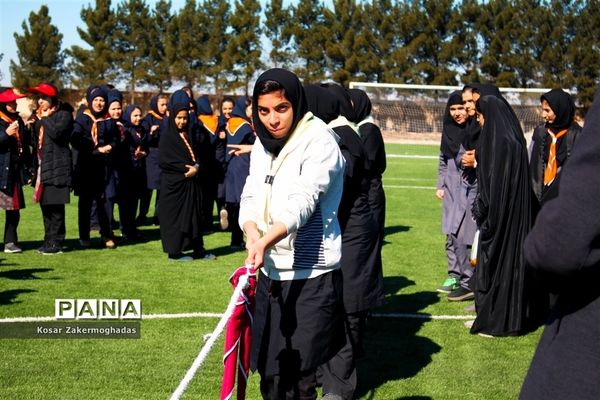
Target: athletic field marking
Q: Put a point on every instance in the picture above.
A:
(412, 156)
(409, 179)
(217, 315)
(408, 187)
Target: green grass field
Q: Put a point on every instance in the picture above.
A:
(407, 358)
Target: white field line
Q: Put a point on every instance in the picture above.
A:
(412, 156)
(217, 315)
(408, 187)
(409, 179)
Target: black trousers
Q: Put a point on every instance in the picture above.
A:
(84, 213)
(338, 375)
(10, 226)
(289, 387)
(54, 224)
(233, 213)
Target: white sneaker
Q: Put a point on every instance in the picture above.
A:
(12, 248)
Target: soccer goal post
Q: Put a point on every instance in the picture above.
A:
(410, 113)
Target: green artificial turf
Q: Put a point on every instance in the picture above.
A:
(405, 358)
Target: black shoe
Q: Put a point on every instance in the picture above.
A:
(461, 294)
(141, 221)
(50, 250)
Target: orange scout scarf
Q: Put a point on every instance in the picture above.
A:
(95, 121)
(552, 167)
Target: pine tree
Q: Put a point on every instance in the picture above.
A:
(309, 33)
(469, 55)
(277, 29)
(39, 54)
(584, 52)
(435, 46)
(189, 34)
(244, 46)
(159, 72)
(98, 64)
(342, 23)
(495, 26)
(400, 63)
(132, 42)
(218, 61)
(375, 38)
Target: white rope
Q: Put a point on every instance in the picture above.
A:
(243, 281)
(218, 315)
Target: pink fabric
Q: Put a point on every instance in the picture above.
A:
(238, 336)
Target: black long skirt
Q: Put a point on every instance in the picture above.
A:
(298, 324)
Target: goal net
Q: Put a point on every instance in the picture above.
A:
(415, 112)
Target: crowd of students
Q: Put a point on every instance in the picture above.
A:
(108, 154)
(297, 169)
(534, 254)
(493, 185)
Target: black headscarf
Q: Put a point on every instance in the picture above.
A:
(173, 152)
(92, 92)
(471, 140)
(453, 134)
(239, 108)
(293, 92)
(343, 98)
(154, 104)
(203, 105)
(321, 103)
(563, 106)
(361, 103)
(127, 115)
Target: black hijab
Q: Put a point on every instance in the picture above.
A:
(453, 134)
(503, 213)
(563, 106)
(344, 100)
(127, 116)
(321, 103)
(172, 150)
(92, 92)
(361, 103)
(293, 92)
(473, 129)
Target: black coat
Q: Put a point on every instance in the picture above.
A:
(93, 170)
(56, 153)
(540, 148)
(13, 165)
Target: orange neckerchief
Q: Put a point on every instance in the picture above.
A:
(551, 167)
(94, 131)
(235, 123)
(8, 119)
(187, 144)
(155, 115)
(210, 122)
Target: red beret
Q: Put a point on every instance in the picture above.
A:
(8, 94)
(45, 89)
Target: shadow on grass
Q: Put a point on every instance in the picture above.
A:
(390, 230)
(8, 296)
(393, 350)
(23, 274)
